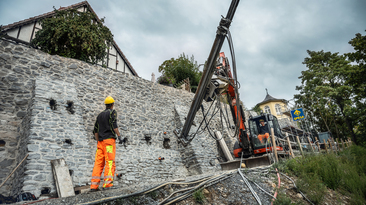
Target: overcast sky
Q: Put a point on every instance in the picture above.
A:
(270, 37)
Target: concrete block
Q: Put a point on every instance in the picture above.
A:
(62, 178)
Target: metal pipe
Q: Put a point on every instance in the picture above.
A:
(208, 71)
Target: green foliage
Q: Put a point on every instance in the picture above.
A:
(134, 200)
(74, 34)
(257, 109)
(176, 70)
(356, 80)
(282, 199)
(153, 194)
(164, 79)
(333, 91)
(326, 95)
(313, 187)
(345, 171)
(199, 197)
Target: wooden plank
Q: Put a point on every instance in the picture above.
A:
(274, 144)
(330, 146)
(298, 142)
(333, 144)
(339, 148)
(325, 145)
(289, 145)
(342, 144)
(62, 178)
(312, 148)
(82, 189)
(224, 147)
(317, 144)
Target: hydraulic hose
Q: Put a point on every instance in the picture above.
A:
(102, 200)
(250, 187)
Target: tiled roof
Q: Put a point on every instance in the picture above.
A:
(269, 98)
(49, 14)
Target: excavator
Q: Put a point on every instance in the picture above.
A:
(223, 83)
(217, 80)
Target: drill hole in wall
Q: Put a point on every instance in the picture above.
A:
(70, 107)
(46, 190)
(166, 143)
(68, 141)
(2, 143)
(71, 172)
(53, 104)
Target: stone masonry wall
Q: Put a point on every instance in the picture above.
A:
(31, 81)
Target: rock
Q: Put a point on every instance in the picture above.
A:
(205, 191)
(6, 163)
(73, 66)
(21, 114)
(299, 196)
(21, 101)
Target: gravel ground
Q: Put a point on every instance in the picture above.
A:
(229, 190)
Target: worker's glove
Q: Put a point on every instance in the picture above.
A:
(120, 140)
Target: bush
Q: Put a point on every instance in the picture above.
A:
(282, 199)
(199, 197)
(346, 171)
(313, 187)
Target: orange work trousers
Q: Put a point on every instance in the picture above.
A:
(106, 152)
(262, 137)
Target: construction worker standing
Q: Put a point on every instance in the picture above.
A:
(105, 131)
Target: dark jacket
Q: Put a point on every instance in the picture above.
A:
(263, 129)
(105, 124)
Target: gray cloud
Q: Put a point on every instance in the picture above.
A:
(270, 37)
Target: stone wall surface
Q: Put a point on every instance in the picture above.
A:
(48, 108)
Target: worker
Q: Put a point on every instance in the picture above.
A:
(263, 132)
(105, 131)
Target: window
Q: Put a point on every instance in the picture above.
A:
(278, 109)
(267, 110)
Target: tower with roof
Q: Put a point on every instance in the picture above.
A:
(274, 106)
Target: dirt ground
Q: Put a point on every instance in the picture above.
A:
(229, 191)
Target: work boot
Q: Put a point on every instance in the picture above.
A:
(94, 190)
(108, 188)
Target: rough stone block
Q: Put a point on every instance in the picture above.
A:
(33, 148)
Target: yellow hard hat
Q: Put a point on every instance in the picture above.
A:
(108, 100)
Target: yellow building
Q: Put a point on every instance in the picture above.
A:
(276, 107)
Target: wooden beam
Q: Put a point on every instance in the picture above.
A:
(274, 147)
(342, 144)
(312, 148)
(325, 145)
(317, 144)
(289, 146)
(298, 142)
(330, 146)
(339, 148)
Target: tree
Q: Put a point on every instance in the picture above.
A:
(357, 82)
(326, 94)
(176, 70)
(74, 34)
(257, 109)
